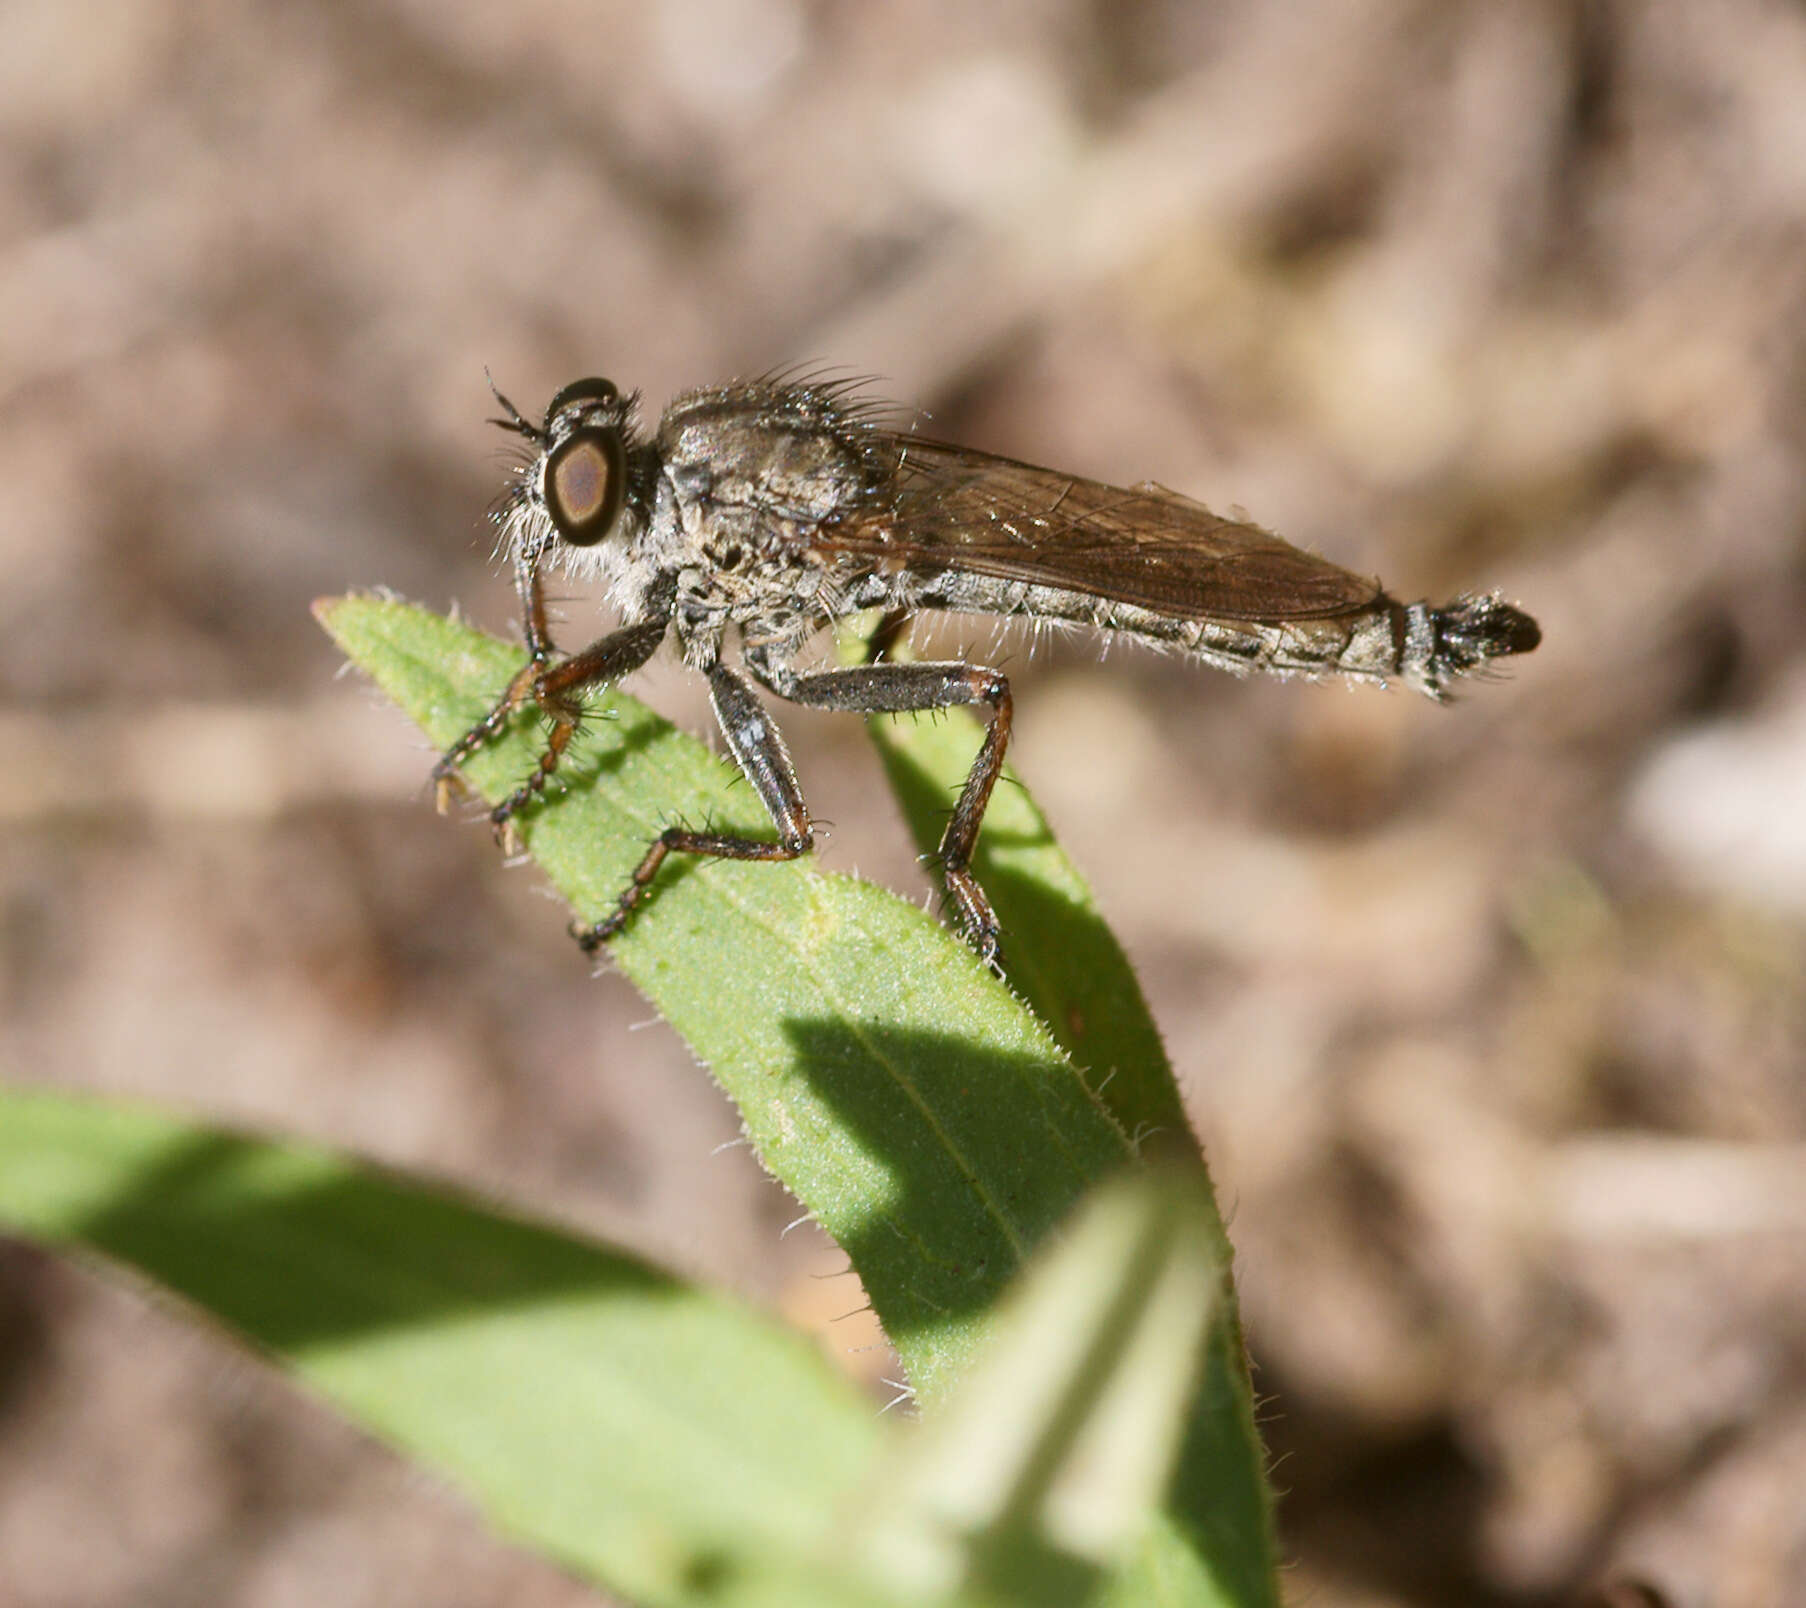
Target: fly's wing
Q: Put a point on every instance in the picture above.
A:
(954, 508)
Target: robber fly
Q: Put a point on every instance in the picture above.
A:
(778, 506)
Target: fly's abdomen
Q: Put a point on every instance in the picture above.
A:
(1385, 640)
(1465, 637)
(1424, 647)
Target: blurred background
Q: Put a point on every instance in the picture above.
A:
(1491, 1018)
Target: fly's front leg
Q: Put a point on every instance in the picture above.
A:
(447, 783)
(758, 749)
(556, 688)
(904, 688)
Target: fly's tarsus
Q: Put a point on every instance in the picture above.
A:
(448, 780)
(679, 840)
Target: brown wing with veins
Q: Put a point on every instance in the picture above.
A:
(955, 508)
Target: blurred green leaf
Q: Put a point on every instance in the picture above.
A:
(1054, 1450)
(662, 1439)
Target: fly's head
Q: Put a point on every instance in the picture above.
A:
(578, 497)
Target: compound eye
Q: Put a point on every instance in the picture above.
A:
(594, 392)
(585, 483)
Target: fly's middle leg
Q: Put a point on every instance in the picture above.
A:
(903, 689)
(758, 749)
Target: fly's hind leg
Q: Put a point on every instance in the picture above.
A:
(889, 688)
(758, 749)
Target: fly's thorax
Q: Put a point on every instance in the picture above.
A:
(749, 586)
(788, 457)
(748, 476)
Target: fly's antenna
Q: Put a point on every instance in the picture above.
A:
(514, 421)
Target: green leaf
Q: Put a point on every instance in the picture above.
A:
(928, 1120)
(884, 1073)
(657, 1437)
(1057, 950)
(1060, 955)
(1070, 968)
